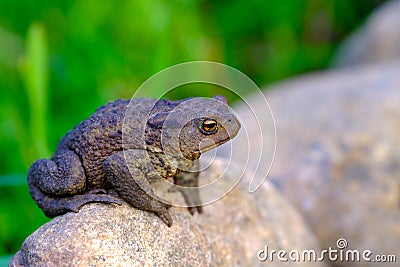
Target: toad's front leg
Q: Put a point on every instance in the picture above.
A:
(131, 183)
(189, 183)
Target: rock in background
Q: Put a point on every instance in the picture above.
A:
(338, 156)
(230, 232)
(378, 40)
(338, 141)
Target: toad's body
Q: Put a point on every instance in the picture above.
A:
(89, 163)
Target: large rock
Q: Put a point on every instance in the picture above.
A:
(338, 153)
(377, 41)
(229, 233)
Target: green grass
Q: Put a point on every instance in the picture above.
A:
(34, 70)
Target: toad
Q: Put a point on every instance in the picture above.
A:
(124, 146)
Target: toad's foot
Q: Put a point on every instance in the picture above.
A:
(55, 206)
(75, 203)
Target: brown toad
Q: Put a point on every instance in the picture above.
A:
(124, 146)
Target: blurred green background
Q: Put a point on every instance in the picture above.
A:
(60, 60)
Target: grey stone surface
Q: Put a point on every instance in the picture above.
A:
(338, 156)
(378, 40)
(230, 232)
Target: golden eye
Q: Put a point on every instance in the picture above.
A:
(208, 126)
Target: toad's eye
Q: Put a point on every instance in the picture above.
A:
(208, 126)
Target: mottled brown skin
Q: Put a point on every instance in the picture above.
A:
(94, 162)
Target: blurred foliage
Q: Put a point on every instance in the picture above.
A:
(59, 60)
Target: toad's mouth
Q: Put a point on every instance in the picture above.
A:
(208, 144)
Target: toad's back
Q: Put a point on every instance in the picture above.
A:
(100, 135)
